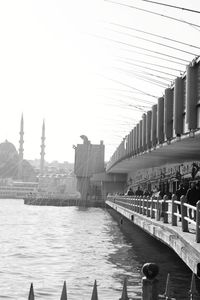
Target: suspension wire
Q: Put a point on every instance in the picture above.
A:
(152, 12)
(144, 67)
(154, 56)
(148, 50)
(131, 87)
(154, 75)
(173, 6)
(152, 64)
(154, 42)
(156, 35)
(153, 81)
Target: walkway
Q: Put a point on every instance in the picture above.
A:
(159, 218)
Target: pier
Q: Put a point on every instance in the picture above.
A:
(159, 218)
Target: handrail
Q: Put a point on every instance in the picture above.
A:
(162, 209)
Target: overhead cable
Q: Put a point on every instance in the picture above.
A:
(156, 35)
(152, 12)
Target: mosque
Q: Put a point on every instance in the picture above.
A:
(12, 162)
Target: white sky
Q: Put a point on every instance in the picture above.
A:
(55, 61)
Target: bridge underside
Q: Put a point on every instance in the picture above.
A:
(187, 148)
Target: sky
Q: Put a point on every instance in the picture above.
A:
(79, 66)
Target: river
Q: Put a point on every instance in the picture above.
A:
(47, 245)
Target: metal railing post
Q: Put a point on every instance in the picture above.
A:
(165, 209)
(198, 222)
(184, 214)
(158, 208)
(148, 207)
(152, 213)
(174, 210)
(140, 207)
(143, 206)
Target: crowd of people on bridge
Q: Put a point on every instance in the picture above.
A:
(192, 195)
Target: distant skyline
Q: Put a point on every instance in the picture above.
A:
(72, 64)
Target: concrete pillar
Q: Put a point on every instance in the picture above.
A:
(148, 129)
(160, 120)
(191, 96)
(168, 113)
(154, 125)
(178, 106)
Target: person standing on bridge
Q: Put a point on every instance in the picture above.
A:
(191, 198)
(139, 192)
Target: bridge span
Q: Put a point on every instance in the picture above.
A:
(160, 218)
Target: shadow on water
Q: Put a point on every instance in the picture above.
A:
(143, 249)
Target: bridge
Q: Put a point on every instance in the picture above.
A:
(165, 142)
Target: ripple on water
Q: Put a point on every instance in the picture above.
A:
(47, 245)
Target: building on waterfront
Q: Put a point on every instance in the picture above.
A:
(163, 148)
(89, 168)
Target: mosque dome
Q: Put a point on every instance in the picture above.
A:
(9, 160)
(9, 163)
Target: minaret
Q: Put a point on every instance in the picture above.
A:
(21, 147)
(42, 153)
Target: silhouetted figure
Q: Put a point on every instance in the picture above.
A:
(139, 192)
(130, 192)
(180, 192)
(191, 197)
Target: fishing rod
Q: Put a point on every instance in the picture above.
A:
(156, 35)
(154, 42)
(152, 12)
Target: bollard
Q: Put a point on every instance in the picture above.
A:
(64, 292)
(94, 292)
(165, 209)
(184, 214)
(149, 281)
(124, 291)
(31, 293)
(174, 210)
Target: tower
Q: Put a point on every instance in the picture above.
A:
(42, 153)
(21, 147)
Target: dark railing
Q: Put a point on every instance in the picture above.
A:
(149, 290)
(163, 209)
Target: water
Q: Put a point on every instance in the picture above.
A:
(47, 245)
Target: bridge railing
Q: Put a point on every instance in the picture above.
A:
(168, 211)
